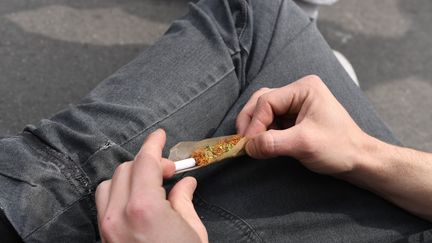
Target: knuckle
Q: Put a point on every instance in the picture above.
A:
(260, 92)
(122, 168)
(263, 99)
(311, 84)
(145, 155)
(176, 201)
(313, 78)
(263, 90)
(266, 145)
(140, 156)
(311, 81)
(264, 108)
(108, 225)
(140, 211)
(102, 186)
(306, 143)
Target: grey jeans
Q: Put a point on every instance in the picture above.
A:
(192, 83)
(311, 7)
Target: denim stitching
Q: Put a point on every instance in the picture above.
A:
(55, 216)
(273, 34)
(245, 5)
(177, 109)
(68, 165)
(10, 137)
(232, 50)
(295, 38)
(246, 229)
(11, 177)
(107, 145)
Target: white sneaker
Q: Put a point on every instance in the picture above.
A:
(347, 66)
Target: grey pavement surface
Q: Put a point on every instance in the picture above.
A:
(54, 51)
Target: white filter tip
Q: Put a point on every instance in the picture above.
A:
(184, 164)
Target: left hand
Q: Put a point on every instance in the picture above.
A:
(133, 207)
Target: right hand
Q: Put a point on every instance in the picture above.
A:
(306, 122)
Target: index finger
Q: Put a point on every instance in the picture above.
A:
(282, 101)
(245, 115)
(147, 167)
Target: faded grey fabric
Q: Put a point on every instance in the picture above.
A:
(320, 2)
(193, 82)
(311, 7)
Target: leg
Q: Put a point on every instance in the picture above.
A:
(278, 200)
(49, 173)
(311, 7)
(82, 145)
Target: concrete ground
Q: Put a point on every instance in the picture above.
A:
(54, 51)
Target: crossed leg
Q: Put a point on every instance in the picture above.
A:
(192, 83)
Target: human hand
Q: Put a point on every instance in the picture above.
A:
(133, 207)
(306, 122)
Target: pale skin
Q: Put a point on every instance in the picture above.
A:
(301, 120)
(133, 205)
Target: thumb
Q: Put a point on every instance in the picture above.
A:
(271, 143)
(180, 198)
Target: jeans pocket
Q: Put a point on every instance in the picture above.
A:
(223, 225)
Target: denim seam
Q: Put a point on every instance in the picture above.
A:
(178, 108)
(273, 34)
(107, 145)
(10, 137)
(68, 164)
(55, 216)
(247, 230)
(202, 11)
(245, 17)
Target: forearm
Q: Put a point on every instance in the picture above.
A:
(400, 175)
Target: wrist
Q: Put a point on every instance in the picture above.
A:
(367, 159)
(400, 175)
